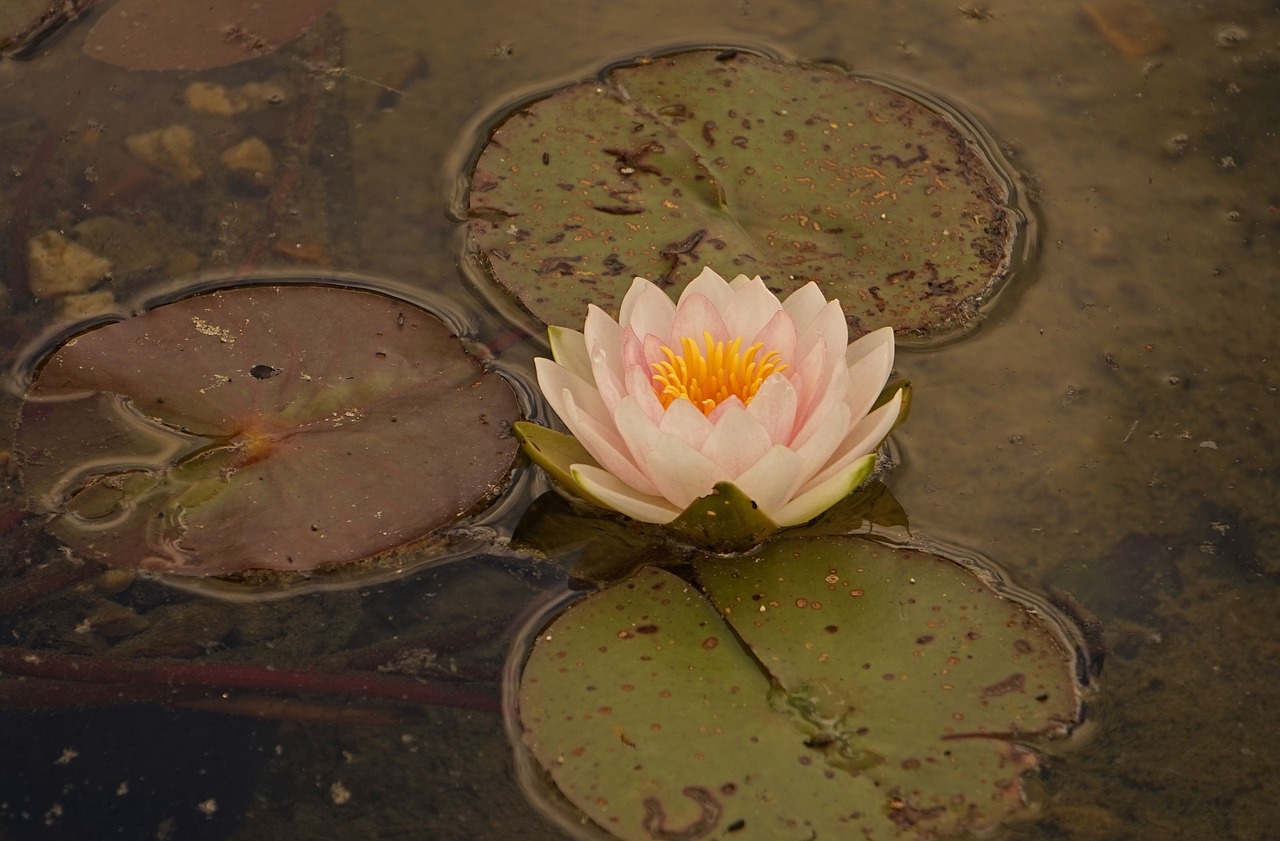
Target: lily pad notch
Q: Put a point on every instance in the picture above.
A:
(795, 172)
(284, 427)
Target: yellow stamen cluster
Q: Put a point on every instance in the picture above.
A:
(708, 378)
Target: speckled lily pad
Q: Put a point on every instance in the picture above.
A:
(826, 688)
(750, 165)
(269, 427)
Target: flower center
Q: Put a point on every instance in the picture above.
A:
(710, 375)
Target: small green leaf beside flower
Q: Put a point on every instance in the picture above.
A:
(727, 386)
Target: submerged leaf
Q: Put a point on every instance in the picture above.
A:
(281, 427)
(164, 35)
(795, 173)
(881, 694)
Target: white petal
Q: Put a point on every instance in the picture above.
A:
(569, 347)
(607, 447)
(865, 437)
(774, 408)
(603, 340)
(647, 309)
(820, 445)
(772, 480)
(606, 488)
(778, 334)
(556, 382)
(709, 285)
(732, 402)
(686, 421)
(610, 383)
(813, 502)
(639, 386)
(639, 434)
(750, 309)
(877, 341)
(681, 473)
(804, 304)
(651, 352)
(869, 361)
(736, 442)
(827, 326)
(821, 377)
(695, 316)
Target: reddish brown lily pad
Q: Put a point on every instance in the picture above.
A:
(272, 427)
(168, 35)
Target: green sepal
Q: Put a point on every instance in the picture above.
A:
(872, 510)
(555, 452)
(887, 394)
(725, 520)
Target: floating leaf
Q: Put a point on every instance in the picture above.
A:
(164, 35)
(883, 694)
(280, 427)
(750, 165)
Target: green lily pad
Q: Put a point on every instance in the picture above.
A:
(749, 165)
(836, 689)
(267, 427)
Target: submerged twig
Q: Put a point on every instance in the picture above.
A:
(179, 676)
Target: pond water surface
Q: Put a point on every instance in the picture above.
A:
(1110, 429)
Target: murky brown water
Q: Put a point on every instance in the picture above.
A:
(1110, 429)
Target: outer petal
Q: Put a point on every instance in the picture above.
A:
(772, 480)
(610, 383)
(813, 502)
(569, 347)
(641, 436)
(865, 436)
(603, 340)
(620, 497)
(647, 309)
(869, 361)
(556, 382)
(822, 378)
(681, 473)
(640, 386)
(804, 304)
(607, 447)
(737, 442)
(583, 412)
(826, 436)
(827, 326)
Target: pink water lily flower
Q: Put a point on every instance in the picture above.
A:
(728, 384)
